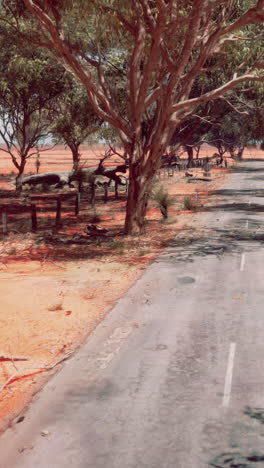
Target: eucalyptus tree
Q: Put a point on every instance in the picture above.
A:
(236, 120)
(237, 128)
(162, 47)
(29, 86)
(192, 133)
(76, 121)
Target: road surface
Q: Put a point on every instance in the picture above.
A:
(174, 377)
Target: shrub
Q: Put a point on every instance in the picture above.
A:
(144, 251)
(189, 204)
(116, 245)
(95, 218)
(163, 200)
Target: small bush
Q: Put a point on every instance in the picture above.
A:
(252, 145)
(168, 221)
(143, 252)
(95, 218)
(189, 204)
(163, 200)
(116, 245)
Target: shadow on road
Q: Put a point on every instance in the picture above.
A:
(239, 192)
(238, 207)
(185, 250)
(247, 169)
(258, 178)
(239, 234)
(243, 458)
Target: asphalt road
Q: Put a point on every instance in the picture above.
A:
(174, 377)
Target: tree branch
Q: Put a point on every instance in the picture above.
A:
(216, 93)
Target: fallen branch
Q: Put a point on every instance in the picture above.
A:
(36, 367)
(11, 358)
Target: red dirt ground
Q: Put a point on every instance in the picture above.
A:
(53, 297)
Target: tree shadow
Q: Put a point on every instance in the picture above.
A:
(247, 169)
(261, 178)
(239, 192)
(236, 207)
(246, 457)
(233, 239)
(253, 159)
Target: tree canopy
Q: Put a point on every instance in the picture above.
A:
(76, 120)
(148, 55)
(30, 84)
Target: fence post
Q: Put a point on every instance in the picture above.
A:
(77, 203)
(58, 213)
(116, 190)
(4, 222)
(34, 223)
(93, 195)
(105, 193)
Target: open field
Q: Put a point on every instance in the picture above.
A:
(60, 159)
(56, 159)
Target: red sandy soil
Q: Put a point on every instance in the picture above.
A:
(57, 159)
(52, 297)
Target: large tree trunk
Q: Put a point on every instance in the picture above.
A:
(240, 153)
(197, 149)
(75, 157)
(221, 155)
(19, 176)
(137, 201)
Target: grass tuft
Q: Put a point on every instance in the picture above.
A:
(163, 200)
(189, 204)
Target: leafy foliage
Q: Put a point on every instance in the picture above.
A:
(148, 67)
(163, 200)
(76, 120)
(30, 84)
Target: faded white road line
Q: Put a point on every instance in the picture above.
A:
(229, 375)
(247, 224)
(242, 263)
(113, 345)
